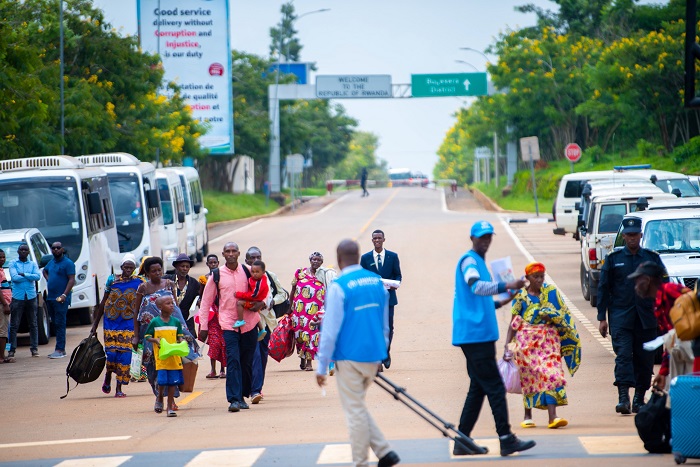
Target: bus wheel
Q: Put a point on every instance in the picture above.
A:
(43, 324)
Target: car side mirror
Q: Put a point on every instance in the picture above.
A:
(197, 208)
(181, 217)
(577, 206)
(152, 199)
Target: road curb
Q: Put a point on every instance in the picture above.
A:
(485, 201)
(531, 220)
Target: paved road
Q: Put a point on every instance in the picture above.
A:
(295, 424)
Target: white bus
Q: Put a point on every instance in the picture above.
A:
(173, 235)
(195, 213)
(69, 203)
(136, 204)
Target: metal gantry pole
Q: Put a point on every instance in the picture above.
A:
(61, 72)
(534, 184)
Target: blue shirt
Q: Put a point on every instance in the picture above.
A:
(356, 324)
(474, 311)
(24, 287)
(57, 281)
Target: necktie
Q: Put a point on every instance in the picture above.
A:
(379, 262)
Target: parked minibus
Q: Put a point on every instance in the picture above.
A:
(195, 213)
(173, 234)
(136, 204)
(69, 203)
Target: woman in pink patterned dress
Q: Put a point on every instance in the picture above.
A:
(308, 297)
(544, 333)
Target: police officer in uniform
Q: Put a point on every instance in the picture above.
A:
(632, 321)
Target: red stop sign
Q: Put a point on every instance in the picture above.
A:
(572, 152)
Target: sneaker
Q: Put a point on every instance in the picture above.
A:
(234, 407)
(57, 354)
(511, 444)
(257, 397)
(243, 405)
(390, 459)
(11, 354)
(35, 353)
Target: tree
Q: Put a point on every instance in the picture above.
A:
(284, 40)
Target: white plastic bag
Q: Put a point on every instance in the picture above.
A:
(510, 375)
(136, 358)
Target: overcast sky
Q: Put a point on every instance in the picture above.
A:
(394, 37)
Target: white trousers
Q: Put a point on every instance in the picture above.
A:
(354, 378)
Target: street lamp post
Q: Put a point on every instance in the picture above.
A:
(61, 89)
(274, 109)
(467, 63)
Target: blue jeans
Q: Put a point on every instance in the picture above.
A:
(58, 312)
(240, 348)
(17, 309)
(260, 363)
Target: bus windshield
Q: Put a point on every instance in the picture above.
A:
(166, 204)
(128, 212)
(49, 204)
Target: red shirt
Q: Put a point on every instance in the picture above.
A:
(257, 290)
(665, 298)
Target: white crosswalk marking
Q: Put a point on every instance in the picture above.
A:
(95, 462)
(227, 457)
(339, 454)
(612, 444)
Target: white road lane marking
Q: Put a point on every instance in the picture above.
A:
(240, 229)
(227, 457)
(339, 454)
(580, 317)
(612, 445)
(95, 462)
(64, 441)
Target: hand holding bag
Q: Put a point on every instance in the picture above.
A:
(510, 375)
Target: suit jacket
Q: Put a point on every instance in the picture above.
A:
(391, 269)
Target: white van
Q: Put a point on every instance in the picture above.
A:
(195, 213)
(571, 186)
(173, 235)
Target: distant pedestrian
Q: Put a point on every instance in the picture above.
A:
(241, 341)
(356, 335)
(363, 182)
(632, 320)
(385, 263)
(60, 279)
(268, 316)
(5, 311)
(24, 274)
(118, 307)
(475, 331)
(215, 339)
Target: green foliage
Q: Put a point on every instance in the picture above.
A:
(362, 153)
(227, 206)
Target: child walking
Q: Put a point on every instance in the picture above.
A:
(257, 292)
(170, 369)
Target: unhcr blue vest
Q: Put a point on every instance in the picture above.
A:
(361, 337)
(473, 316)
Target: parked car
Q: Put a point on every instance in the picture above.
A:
(599, 227)
(39, 248)
(675, 235)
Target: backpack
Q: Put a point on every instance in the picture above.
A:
(86, 363)
(653, 424)
(280, 309)
(685, 315)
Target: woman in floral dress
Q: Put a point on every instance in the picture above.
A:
(308, 297)
(543, 332)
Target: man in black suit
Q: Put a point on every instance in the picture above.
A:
(386, 264)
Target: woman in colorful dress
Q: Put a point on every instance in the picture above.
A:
(147, 294)
(308, 297)
(215, 338)
(118, 307)
(543, 332)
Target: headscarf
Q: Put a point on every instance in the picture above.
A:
(315, 253)
(141, 271)
(534, 268)
(129, 258)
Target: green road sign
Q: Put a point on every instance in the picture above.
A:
(449, 84)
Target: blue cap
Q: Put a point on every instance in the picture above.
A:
(632, 225)
(481, 228)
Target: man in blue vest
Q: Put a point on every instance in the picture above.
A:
(475, 331)
(355, 334)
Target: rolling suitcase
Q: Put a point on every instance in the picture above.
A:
(685, 418)
(447, 429)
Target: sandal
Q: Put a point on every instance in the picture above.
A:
(309, 366)
(175, 407)
(172, 413)
(10, 360)
(222, 375)
(158, 407)
(558, 422)
(212, 375)
(119, 395)
(529, 423)
(302, 365)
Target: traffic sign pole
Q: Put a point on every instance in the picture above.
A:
(534, 183)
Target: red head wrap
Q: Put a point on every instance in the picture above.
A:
(533, 268)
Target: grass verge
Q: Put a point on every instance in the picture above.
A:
(227, 206)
